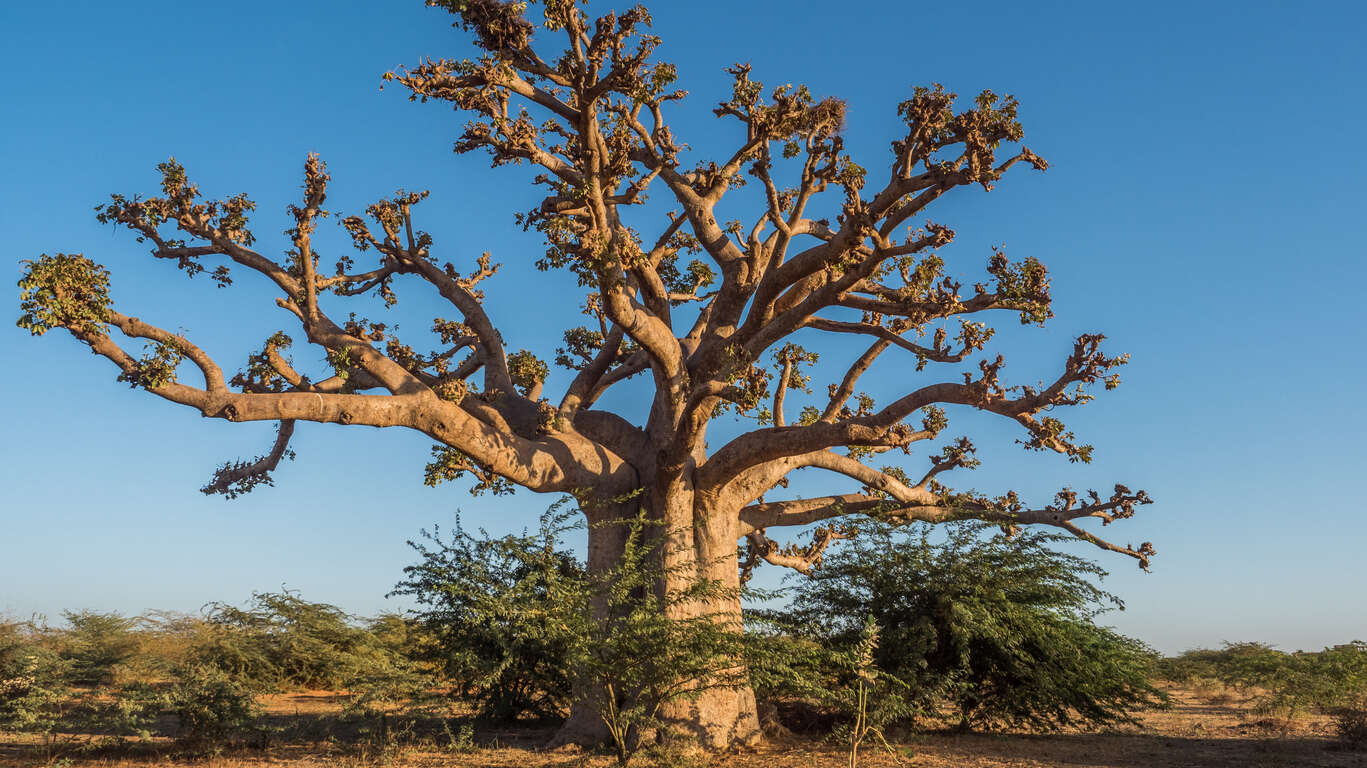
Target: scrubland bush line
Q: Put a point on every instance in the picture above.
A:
(979, 630)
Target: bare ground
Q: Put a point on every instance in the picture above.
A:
(1199, 730)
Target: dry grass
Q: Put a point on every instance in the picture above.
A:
(1194, 732)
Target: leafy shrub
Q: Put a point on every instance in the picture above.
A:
(211, 706)
(97, 644)
(490, 610)
(984, 629)
(1350, 723)
(1343, 668)
(280, 640)
(786, 666)
(34, 680)
(107, 677)
(38, 666)
(1189, 667)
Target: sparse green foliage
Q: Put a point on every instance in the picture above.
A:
(450, 463)
(871, 697)
(57, 682)
(64, 291)
(1281, 683)
(35, 688)
(156, 368)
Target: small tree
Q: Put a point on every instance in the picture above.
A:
(871, 697)
(211, 706)
(97, 644)
(488, 606)
(999, 628)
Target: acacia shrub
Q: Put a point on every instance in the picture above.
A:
(519, 623)
(489, 613)
(1346, 666)
(279, 640)
(59, 683)
(97, 644)
(982, 629)
(35, 681)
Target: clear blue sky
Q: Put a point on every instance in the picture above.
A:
(1205, 209)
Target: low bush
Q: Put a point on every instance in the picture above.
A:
(212, 707)
(1194, 667)
(283, 641)
(490, 610)
(1350, 723)
(982, 629)
(97, 645)
(35, 681)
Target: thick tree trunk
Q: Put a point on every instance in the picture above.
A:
(704, 539)
(699, 546)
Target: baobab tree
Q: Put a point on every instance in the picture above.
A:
(705, 309)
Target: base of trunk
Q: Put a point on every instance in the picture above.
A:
(719, 719)
(582, 728)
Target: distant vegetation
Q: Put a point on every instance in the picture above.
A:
(1282, 684)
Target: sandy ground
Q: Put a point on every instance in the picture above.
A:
(1197, 731)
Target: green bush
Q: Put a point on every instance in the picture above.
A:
(212, 707)
(1190, 667)
(38, 669)
(785, 665)
(489, 612)
(97, 644)
(986, 630)
(280, 640)
(107, 677)
(35, 689)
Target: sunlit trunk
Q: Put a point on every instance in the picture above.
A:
(704, 547)
(695, 547)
